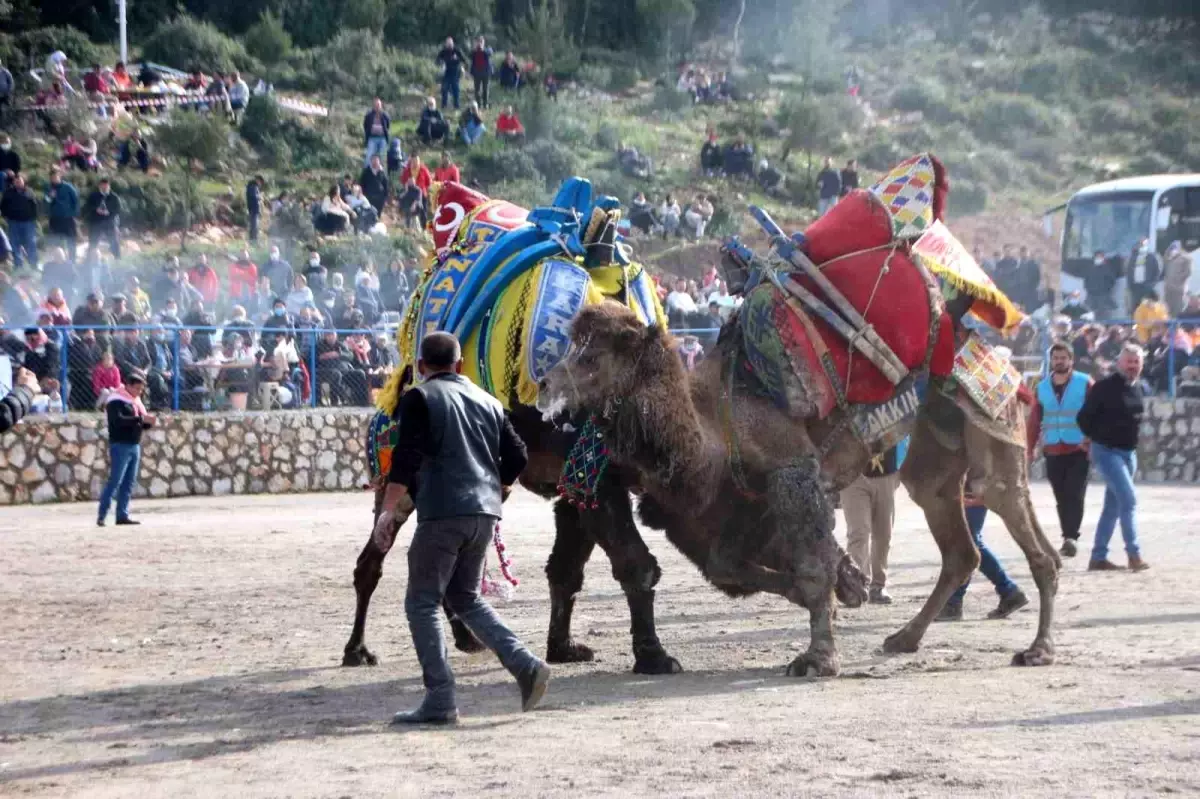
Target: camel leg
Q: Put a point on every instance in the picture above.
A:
(804, 516)
(1014, 505)
(934, 477)
(636, 569)
(367, 572)
(572, 548)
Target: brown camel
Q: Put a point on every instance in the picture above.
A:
(740, 486)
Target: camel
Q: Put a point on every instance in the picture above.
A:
(608, 520)
(737, 460)
(667, 428)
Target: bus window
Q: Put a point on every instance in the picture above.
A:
(1110, 223)
(1183, 219)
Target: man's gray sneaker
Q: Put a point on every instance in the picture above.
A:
(1009, 605)
(533, 685)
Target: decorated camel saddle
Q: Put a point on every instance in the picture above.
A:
(508, 282)
(852, 313)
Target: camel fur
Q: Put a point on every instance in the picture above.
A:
(742, 488)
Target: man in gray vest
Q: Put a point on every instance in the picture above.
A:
(458, 456)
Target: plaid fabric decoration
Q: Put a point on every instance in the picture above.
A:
(907, 193)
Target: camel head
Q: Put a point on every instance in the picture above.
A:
(613, 356)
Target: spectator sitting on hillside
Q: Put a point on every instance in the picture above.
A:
(1076, 308)
(243, 276)
(508, 125)
(376, 129)
(849, 178)
(680, 304)
(138, 300)
(336, 215)
(367, 298)
(739, 158)
(470, 125)
(393, 287)
(432, 126)
(551, 84)
(711, 158)
(641, 214)
(261, 300)
(698, 215)
(94, 83)
(829, 187)
(56, 306)
(134, 149)
(669, 216)
(375, 185)
(79, 155)
(633, 163)
(1148, 314)
(769, 177)
(239, 95)
(447, 170)
(106, 376)
(414, 198)
(510, 72)
(217, 95)
(365, 215)
(346, 186)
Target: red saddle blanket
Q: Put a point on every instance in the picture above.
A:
(851, 246)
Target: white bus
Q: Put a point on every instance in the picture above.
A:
(1112, 217)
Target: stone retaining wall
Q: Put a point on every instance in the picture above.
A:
(65, 458)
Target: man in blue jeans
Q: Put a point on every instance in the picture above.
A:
(452, 61)
(459, 455)
(1012, 598)
(1112, 417)
(127, 418)
(19, 208)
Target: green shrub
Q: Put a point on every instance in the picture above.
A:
(928, 97)
(38, 43)
(1113, 115)
(608, 136)
(667, 99)
(284, 140)
(595, 75)
(525, 193)
(967, 198)
(1047, 152)
(415, 69)
(189, 43)
(1047, 77)
(623, 78)
(268, 41)
(1011, 118)
(506, 163)
(555, 162)
(572, 130)
(157, 202)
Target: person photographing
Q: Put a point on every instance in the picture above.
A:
(455, 462)
(15, 404)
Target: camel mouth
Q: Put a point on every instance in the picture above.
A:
(553, 409)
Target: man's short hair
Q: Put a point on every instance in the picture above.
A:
(1133, 349)
(1060, 346)
(440, 350)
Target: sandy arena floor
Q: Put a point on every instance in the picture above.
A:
(198, 655)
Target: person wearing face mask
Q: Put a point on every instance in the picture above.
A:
(170, 314)
(279, 272)
(314, 272)
(1059, 398)
(1112, 418)
(103, 214)
(277, 325)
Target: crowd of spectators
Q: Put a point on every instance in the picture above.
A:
(204, 339)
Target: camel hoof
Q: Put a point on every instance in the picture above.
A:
(810, 665)
(656, 663)
(359, 656)
(464, 639)
(569, 652)
(851, 586)
(1034, 656)
(900, 643)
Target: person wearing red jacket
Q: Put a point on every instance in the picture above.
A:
(414, 200)
(447, 170)
(508, 125)
(1060, 397)
(243, 277)
(204, 279)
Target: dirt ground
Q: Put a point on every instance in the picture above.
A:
(198, 655)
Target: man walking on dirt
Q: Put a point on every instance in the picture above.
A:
(459, 455)
(1059, 398)
(870, 507)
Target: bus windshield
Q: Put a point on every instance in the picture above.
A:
(1111, 223)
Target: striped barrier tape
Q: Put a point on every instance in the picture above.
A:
(289, 103)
